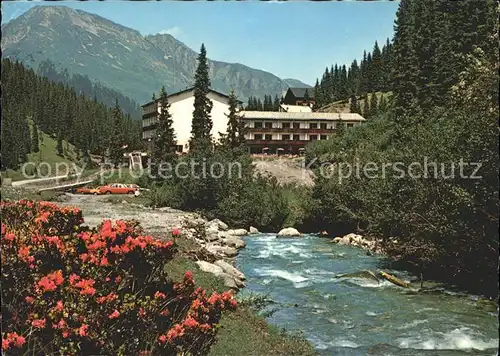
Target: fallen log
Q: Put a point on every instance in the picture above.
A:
(362, 274)
(394, 280)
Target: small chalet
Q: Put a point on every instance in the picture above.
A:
(299, 96)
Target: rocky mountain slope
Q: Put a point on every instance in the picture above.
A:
(120, 57)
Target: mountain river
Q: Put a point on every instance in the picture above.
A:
(357, 315)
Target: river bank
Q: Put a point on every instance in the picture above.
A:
(319, 290)
(202, 244)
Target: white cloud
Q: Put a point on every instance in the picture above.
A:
(174, 31)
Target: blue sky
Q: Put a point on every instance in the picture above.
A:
(292, 40)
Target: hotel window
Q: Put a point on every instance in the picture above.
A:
(268, 125)
(322, 126)
(313, 125)
(296, 137)
(257, 137)
(296, 125)
(285, 137)
(269, 137)
(285, 125)
(257, 125)
(323, 137)
(313, 137)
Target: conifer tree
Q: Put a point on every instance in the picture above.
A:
(318, 95)
(353, 105)
(373, 104)
(366, 108)
(34, 139)
(276, 104)
(339, 128)
(343, 87)
(164, 143)
(116, 142)
(376, 68)
(306, 96)
(382, 106)
(153, 98)
(235, 136)
(60, 150)
(259, 106)
(201, 137)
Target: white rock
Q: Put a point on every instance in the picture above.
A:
(220, 224)
(238, 232)
(209, 267)
(230, 269)
(336, 240)
(234, 241)
(253, 230)
(289, 231)
(222, 250)
(345, 240)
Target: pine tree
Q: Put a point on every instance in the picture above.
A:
(306, 97)
(405, 61)
(116, 142)
(276, 104)
(259, 106)
(164, 144)
(376, 69)
(353, 106)
(373, 104)
(34, 139)
(339, 128)
(343, 86)
(382, 106)
(335, 74)
(201, 137)
(366, 108)
(153, 98)
(235, 136)
(318, 95)
(60, 150)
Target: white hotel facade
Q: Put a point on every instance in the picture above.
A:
(286, 131)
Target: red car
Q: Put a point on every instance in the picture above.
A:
(117, 188)
(85, 190)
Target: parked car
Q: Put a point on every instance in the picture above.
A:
(86, 190)
(117, 188)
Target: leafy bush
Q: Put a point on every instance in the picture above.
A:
(445, 225)
(68, 289)
(238, 196)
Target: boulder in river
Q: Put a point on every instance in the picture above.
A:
(229, 269)
(238, 232)
(289, 231)
(222, 250)
(234, 241)
(209, 267)
(220, 225)
(254, 230)
(230, 281)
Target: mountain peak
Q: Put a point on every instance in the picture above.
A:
(120, 57)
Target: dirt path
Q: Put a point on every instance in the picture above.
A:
(157, 222)
(286, 170)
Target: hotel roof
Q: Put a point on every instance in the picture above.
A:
(273, 115)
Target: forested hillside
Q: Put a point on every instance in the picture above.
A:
(373, 74)
(437, 208)
(83, 85)
(60, 112)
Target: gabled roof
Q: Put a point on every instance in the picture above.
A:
(300, 92)
(188, 90)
